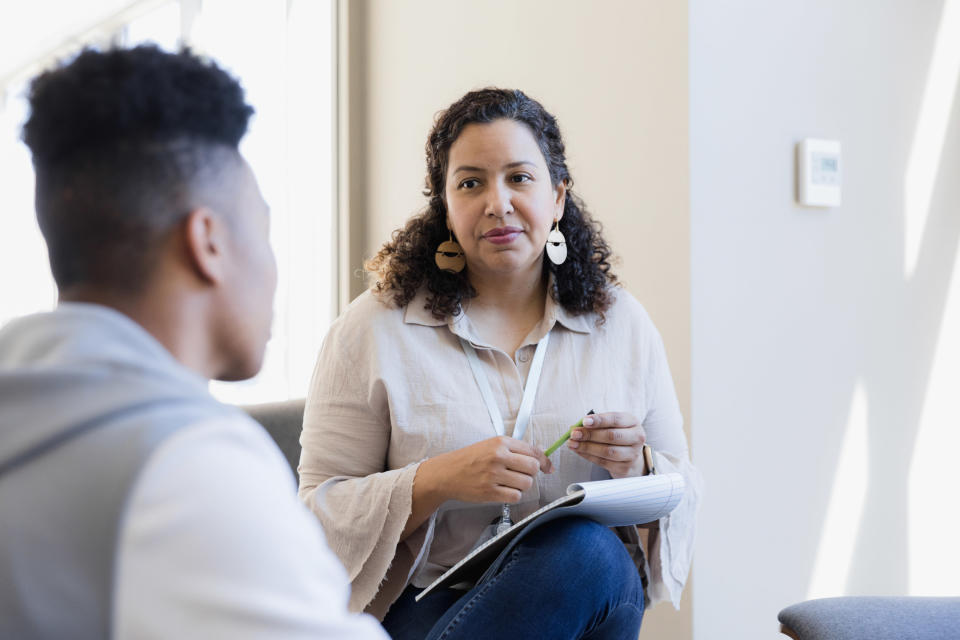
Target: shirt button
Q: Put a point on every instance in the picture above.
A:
(523, 356)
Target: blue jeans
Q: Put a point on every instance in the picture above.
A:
(570, 578)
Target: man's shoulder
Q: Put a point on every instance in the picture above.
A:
(218, 427)
(222, 456)
(214, 519)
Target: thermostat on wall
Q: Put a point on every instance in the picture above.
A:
(818, 173)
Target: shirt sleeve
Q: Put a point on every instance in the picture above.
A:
(214, 543)
(670, 548)
(362, 507)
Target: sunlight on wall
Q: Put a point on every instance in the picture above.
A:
(845, 512)
(934, 472)
(930, 133)
(933, 522)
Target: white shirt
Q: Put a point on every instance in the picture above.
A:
(215, 544)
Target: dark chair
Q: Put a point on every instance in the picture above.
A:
(872, 618)
(283, 421)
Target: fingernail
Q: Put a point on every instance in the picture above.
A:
(573, 444)
(588, 422)
(576, 435)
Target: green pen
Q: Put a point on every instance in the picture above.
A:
(565, 437)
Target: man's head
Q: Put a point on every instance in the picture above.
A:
(141, 192)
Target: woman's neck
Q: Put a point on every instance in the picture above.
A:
(505, 309)
(515, 293)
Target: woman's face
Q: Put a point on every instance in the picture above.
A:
(500, 201)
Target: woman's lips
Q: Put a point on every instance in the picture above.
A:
(502, 235)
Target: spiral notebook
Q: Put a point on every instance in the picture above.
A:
(613, 503)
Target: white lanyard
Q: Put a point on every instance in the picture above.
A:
(529, 390)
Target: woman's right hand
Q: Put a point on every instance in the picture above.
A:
(494, 470)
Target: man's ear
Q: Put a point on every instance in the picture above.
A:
(205, 240)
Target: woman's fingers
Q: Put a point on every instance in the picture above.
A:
(520, 463)
(612, 440)
(612, 428)
(513, 480)
(505, 494)
(615, 419)
(498, 469)
(529, 452)
(613, 453)
(623, 436)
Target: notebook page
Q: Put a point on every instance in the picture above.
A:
(627, 501)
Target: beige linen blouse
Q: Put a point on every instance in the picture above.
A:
(393, 387)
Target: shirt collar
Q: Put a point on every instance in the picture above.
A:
(417, 312)
(554, 312)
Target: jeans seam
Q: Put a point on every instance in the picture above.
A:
(465, 608)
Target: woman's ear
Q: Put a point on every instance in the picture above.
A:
(561, 190)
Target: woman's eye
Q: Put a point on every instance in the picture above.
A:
(520, 177)
(469, 183)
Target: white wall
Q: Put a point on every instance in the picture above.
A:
(825, 367)
(614, 72)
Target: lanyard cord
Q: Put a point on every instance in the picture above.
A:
(529, 390)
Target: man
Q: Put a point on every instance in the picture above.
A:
(132, 504)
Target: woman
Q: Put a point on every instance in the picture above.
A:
(430, 405)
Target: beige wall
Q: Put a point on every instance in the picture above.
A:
(615, 75)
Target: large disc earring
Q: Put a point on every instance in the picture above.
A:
(449, 256)
(556, 245)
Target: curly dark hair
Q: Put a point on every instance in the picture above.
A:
(406, 262)
(122, 140)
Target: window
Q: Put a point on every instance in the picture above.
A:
(283, 54)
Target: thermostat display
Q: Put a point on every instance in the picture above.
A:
(818, 173)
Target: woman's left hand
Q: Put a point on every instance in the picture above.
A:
(612, 440)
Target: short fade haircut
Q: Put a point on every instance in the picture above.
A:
(123, 141)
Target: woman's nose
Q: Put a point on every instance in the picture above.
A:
(498, 202)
